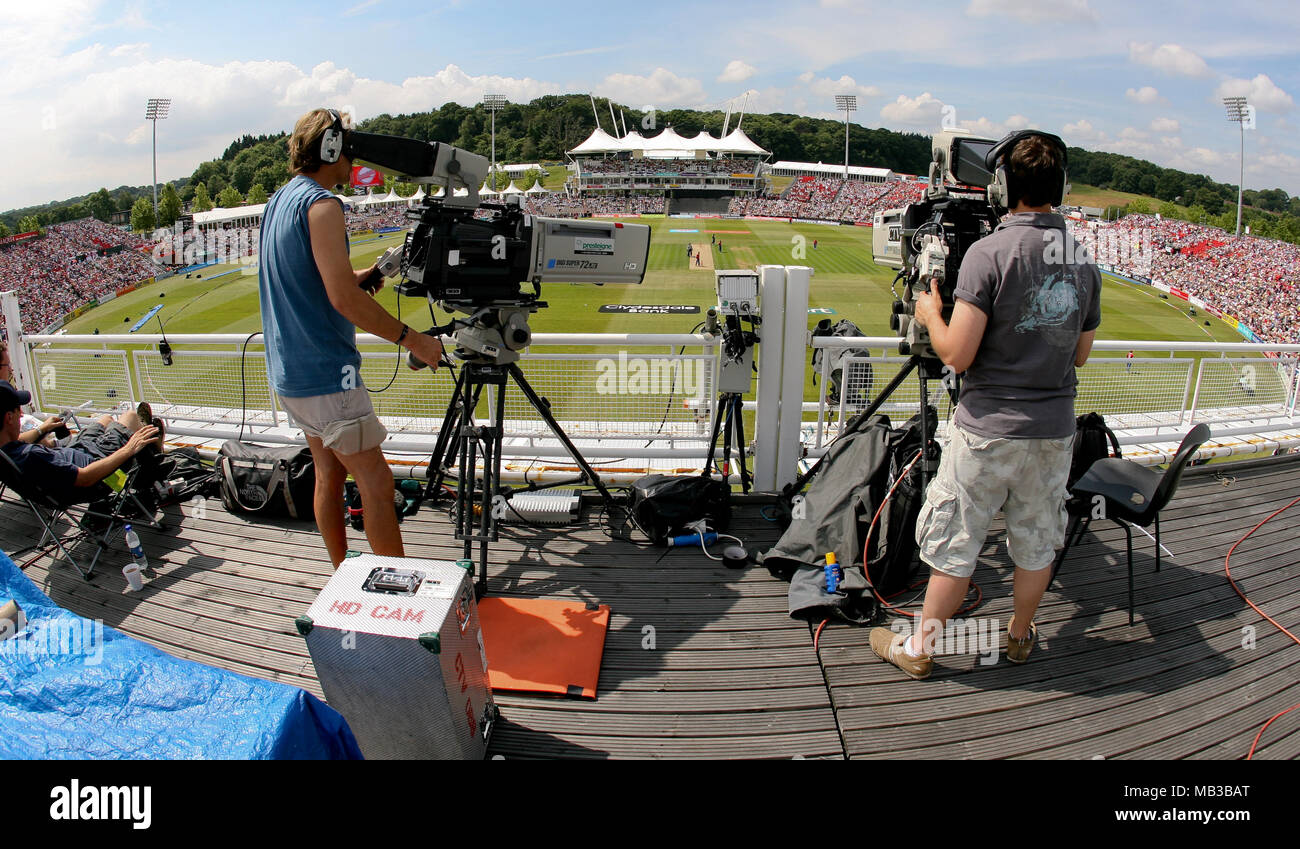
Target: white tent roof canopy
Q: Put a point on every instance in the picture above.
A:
(218, 215)
(669, 144)
(829, 169)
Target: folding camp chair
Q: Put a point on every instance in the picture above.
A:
(119, 506)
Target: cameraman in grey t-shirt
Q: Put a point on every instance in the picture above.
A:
(1028, 303)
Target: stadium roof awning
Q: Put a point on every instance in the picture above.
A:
(536, 189)
(831, 170)
(512, 189)
(221, 215)
(669, 144)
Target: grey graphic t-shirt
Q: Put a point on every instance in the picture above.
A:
(1040, 291)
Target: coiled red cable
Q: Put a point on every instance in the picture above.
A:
(1227, 570)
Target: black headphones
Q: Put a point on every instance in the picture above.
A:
(331, 141)
(1004, 195)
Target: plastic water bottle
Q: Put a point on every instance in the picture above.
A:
(137, 552)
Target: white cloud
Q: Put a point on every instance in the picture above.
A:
(923, 111)
(662, 88)
(1033, 11)
(359, 8)
(1170, 58)
(91, 131)
(737, 72)
(826, 88)
(1082, 132)
(1165, 125)
(992, 129)
(1146, 94)
(1261, 92)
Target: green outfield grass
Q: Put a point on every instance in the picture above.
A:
(845, 280)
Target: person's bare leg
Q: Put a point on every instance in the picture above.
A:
(1028, 591)
(943, 597)
(129, 420)
(328, 500)
(375, 483)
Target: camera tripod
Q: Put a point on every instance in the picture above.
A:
(928, 368)
(459, 441)
(729, 420)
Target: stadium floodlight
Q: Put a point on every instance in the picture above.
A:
(846, 103)
(493, 103)
(156, 110)
(1238, 113)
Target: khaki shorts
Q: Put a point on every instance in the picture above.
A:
(978, 476)
(344, 421)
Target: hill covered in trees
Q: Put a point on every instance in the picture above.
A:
(541, 131)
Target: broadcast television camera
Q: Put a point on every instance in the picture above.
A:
(926, 241)
(475, 258)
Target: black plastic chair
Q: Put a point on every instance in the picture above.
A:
(1132, 493)
(48, 509)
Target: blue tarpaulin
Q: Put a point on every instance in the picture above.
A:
(72, 688)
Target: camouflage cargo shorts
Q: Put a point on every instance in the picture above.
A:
(978, 476)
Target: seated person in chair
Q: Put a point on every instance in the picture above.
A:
(70, 473)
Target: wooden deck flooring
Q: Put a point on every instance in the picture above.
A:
(730, 675)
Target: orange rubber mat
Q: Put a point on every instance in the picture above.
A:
(539, 645)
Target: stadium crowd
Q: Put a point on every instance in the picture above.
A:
(831, 200)
(563, 206)
(72, 263)
(1254, 280)
(651, 167)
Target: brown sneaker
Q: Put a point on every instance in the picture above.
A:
(888, 646)
(1018, 650)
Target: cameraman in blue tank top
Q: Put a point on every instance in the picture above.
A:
(312, 302)
(1028, 303)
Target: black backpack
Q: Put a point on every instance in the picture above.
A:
(860, 394)
(893, 562)
(662, 505)
(1093, 441)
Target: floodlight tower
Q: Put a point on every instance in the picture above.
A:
(846, 103)
(494, 102)
(156, 110)
(1238, 112)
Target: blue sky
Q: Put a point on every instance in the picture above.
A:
(1141, 79)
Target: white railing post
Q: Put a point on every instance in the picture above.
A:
(771, 355)
(798, 284)
(1196, 395)
(18, 356)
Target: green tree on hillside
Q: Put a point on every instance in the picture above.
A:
(101, 205)
(202, 202)
(4, 230)
(142, 216)
(169, 206)
(28, 224)
(229, 197)
(257, 194)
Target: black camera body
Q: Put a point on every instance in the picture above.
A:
(465, 262)
(936, 234)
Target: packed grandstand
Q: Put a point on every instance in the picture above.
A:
(1251, 279)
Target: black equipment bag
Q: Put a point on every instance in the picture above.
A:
(270, 482)
(892, 552)
(1093, 441)
(835, 515)
(663, 505)
(860, 395)
(184, 475)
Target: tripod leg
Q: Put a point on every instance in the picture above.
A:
(444, 448)
(718, 415)
(728, 428)
(740, 442)
(544, 410)
(856, 422)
